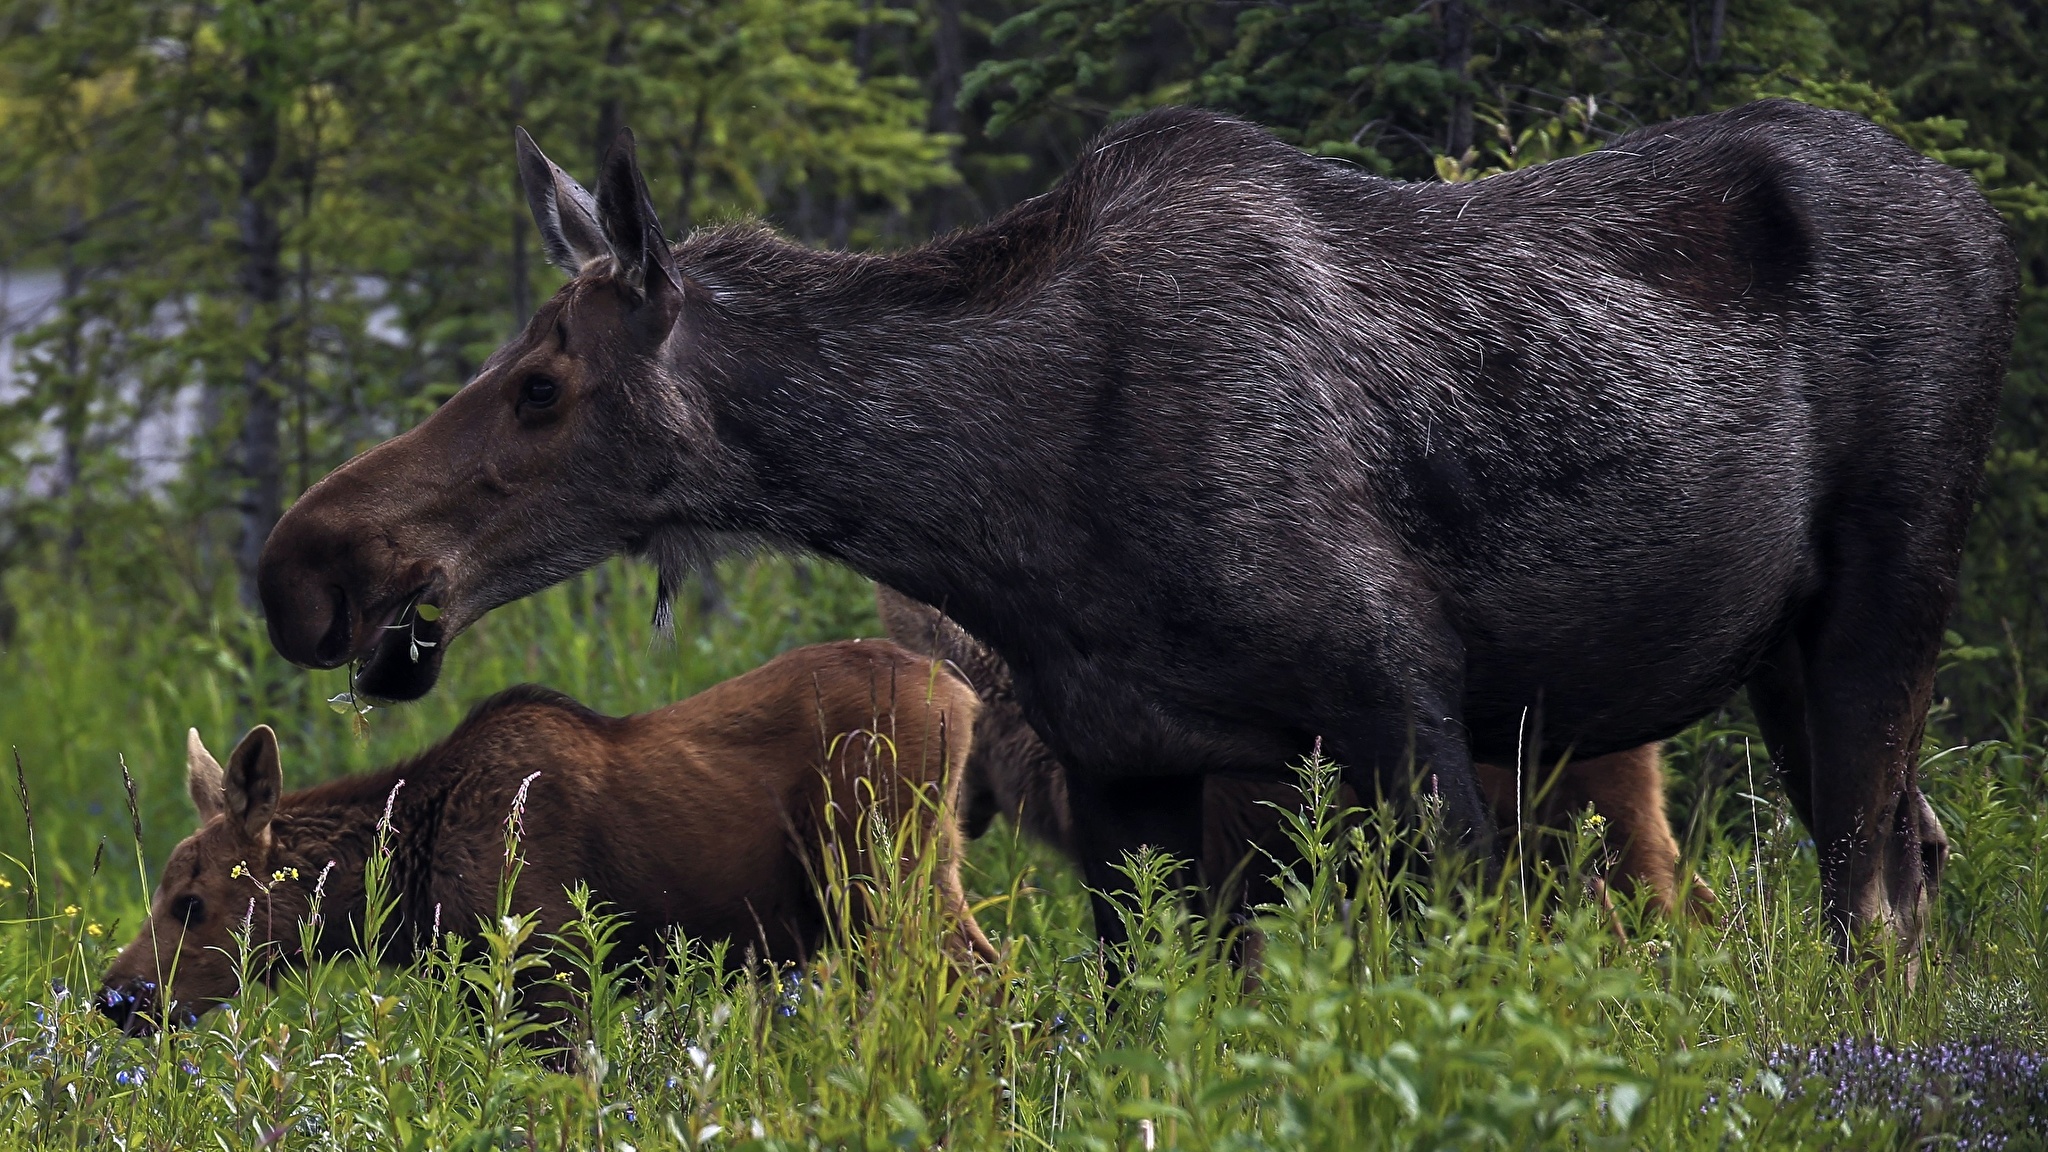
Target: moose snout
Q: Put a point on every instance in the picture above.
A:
(131, 1005)
(313, 619)
(314, 625)
(140, 1006)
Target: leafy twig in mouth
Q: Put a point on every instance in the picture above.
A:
(410, 618)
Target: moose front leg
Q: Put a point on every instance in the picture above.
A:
(1116, 818)
(1407, 746)
(1429, 774)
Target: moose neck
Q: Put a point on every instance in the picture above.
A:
(886, 410)
(339, 822)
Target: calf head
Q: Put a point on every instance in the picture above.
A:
(184, 961)
(572, 443)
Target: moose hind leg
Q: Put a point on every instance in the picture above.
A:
(1869, 649)
(1115, 818)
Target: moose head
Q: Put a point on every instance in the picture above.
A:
(563, 450)
(222, 877)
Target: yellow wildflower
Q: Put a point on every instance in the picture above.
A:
(95, 930)
(71, 909)
(238, 871)
(284, 874)
(5, 882)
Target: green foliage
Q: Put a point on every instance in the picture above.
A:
(1387, 84)
(1394, 1009)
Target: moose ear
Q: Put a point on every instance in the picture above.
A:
(563, 210)
(627, 213)
(202, 777)
(252, 783)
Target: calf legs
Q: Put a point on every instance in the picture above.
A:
(1627, 790)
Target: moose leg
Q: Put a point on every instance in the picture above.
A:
(1117, 817)
(1869, 648)
(1777, 694)
(1421, 763)
(1627, 789)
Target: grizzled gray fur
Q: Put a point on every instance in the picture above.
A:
(1224, 448)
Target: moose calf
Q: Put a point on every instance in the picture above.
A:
(712, 816)
(1013, 773)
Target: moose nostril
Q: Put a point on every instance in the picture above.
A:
(117, 1005)
(131, 1006)
(335, 645)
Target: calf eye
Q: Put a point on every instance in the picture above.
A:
(538, 392)
(188, 910)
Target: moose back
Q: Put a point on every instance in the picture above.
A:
(1223, 448)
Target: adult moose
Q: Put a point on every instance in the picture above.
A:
(1224, 448)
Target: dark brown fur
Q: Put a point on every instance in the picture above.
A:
(1011, 773)
(708, 816)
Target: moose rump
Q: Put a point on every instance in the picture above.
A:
(1224, 449)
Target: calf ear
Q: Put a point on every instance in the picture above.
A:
(253, 782)
(627, 212)
(202, 777)
(563, 210)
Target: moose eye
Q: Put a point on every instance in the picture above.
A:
(188, 910)
(538, 392)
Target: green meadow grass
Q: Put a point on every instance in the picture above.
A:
(1392, 1010)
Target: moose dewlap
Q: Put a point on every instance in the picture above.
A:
(715, 816)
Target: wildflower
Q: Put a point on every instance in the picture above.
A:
(71, 909)
(238, 871)
(390, 802)
(515, 825)
(284, 874)
(5, 883)
(95, 930)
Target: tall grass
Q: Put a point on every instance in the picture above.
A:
(1392, 1009)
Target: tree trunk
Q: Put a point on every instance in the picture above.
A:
(302, 374)
(687, 163)
(1706, 57)
(611, 111)
(863, 57)
(75, 408)
(1456, 58)
(262, 244)
(522, 279)
(948, 53)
